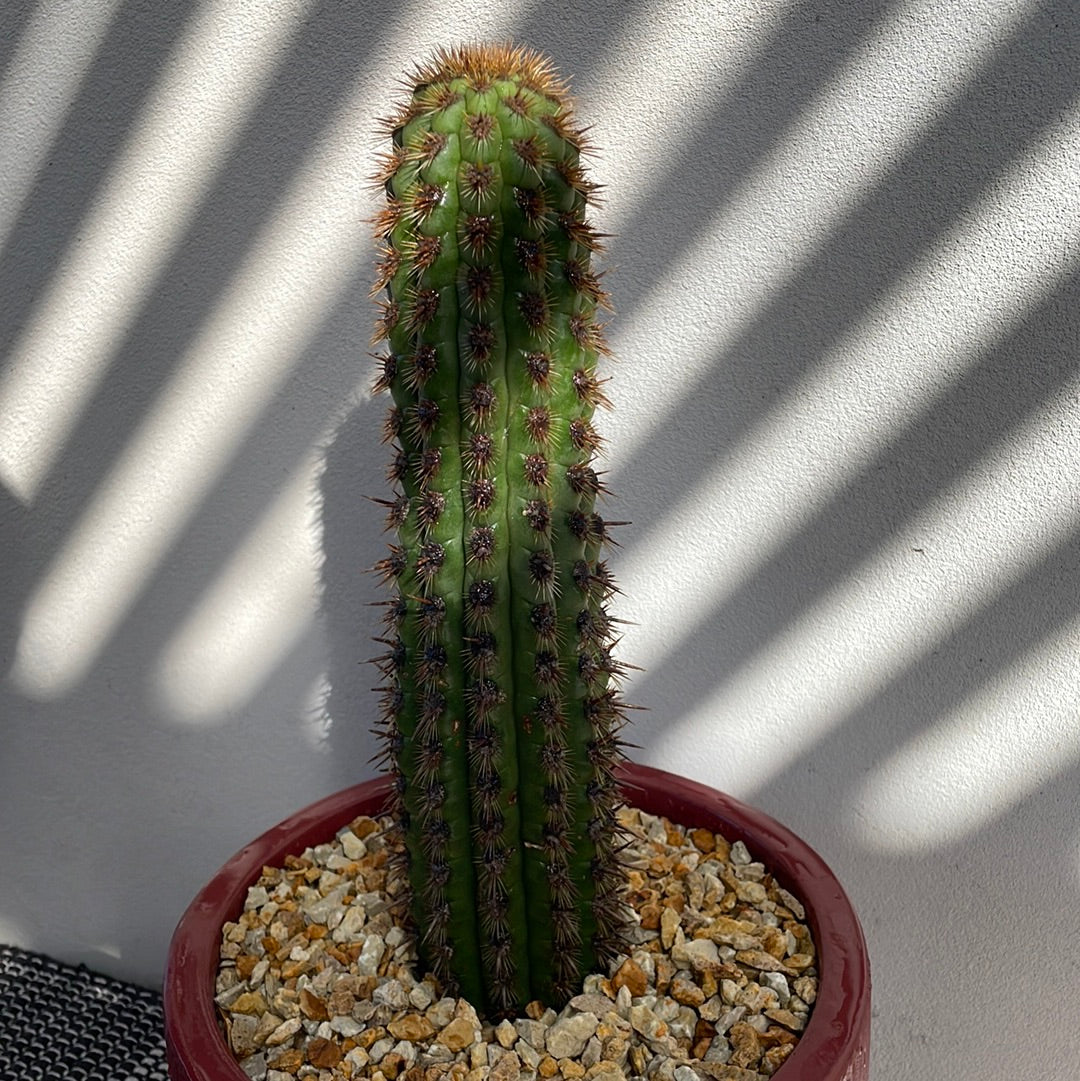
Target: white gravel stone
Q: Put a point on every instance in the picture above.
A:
(711, 1008)
(591, 1055)
(726, 1020)
(254, 1066)
(719, 1051)
(381, 1048)
(534, 1033)
(358, 1058)
(318, 909)
(351, 845)
(346, 1027)
(392, 994)
(594, 1003)
(406, 1050)
(371, 953)
(529, 1055)
(442, 1013)
(352, 921)
(699, 953)
(285, 1031)
(257, 896)
(227, 997)
(610, 1074)
(740, 855)
(777, 983)
(437, 1053)
(569, 1035)
(242, 1034)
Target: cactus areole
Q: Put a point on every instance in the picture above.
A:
(500, 702)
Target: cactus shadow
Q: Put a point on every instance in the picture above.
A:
(353, 538)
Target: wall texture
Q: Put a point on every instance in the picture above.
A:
(846, 261)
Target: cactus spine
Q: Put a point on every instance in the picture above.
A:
(500, 705)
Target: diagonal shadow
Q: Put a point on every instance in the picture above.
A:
(563, 40)
(309, 84)
(120, 78)
(1039, 604)
(183, 299)
(951, 898)
(14, 17)
(971, 420)
(291, 423)
(1020, 859)
(303, 93)
(736, 130)
(932, 187)
(1032, 79)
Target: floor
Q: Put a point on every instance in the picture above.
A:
(59, 1023)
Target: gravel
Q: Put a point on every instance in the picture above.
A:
(318, 979)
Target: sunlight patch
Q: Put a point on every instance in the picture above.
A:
(1014, 735)
(262, 603)
(153, 189)
(55, 52)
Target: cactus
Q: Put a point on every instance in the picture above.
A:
(501, 704)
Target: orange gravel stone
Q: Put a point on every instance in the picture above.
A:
(250, 1002)
(746, 1047)
(290, 1061)
(313, 1007)
(411, 1027)
(704, 840)
(325, 1054)
(631, 975)
(684, 891)
(245, 965)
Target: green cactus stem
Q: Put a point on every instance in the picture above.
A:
(501, 696)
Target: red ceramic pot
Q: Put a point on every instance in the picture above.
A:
(834, 1047)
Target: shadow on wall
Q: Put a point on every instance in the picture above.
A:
(160, 800)
(104, 781)
(105, 768)
(990, 126)
(353, 540)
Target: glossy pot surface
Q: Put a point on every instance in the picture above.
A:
(834, 1047)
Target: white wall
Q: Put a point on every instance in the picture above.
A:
(847, 433)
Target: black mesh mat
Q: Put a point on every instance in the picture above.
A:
(59, 1023)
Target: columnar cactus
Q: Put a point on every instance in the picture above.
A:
(501, 703)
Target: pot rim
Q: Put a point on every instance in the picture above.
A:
(833, 1047)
